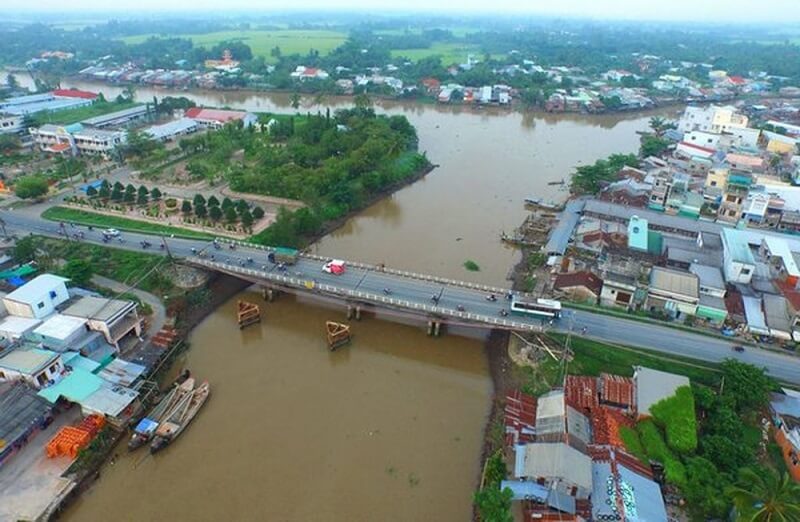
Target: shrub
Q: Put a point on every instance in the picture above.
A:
(170, 202)
(676, 416)
(471, 265)
(632, 443)
(33, 186)
(655, 447)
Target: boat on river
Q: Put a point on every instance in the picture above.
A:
(179, 417)
(539, 202)
(146, 428)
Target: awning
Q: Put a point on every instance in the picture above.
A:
(711, 313)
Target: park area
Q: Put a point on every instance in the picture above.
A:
(290, 41)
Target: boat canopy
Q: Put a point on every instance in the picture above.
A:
(146, 426)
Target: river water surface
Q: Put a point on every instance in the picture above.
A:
(390, 427)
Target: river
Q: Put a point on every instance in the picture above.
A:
(389, 428)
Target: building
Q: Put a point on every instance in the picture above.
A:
(558, 462)
(785, 410)
(618, 290)
(652, 386)
(37, 298)
(33, 103)
(22, 414)
(99, 141)
(217, 118)
(738, 260)
(59, 332)
(114, 318)
(620, 493)
(777, 316)
(13, 328)
(172, 130)
(11, 123)
(227, 63)
(579, 286)
(711, 304)
(673, 291)
(746, 162)
(118, 118)
(303, 73)
(35, 366)
(711, 119)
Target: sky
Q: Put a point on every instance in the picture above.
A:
(743, 11)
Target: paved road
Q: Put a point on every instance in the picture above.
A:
(371, 282)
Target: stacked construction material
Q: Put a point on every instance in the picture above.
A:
(71, 439)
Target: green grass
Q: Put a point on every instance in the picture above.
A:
(632, 443)
(80, 113)
(83, 217)
(593, 358)
(291, 41)
(676, 416)
(655, 447)
(450, 53)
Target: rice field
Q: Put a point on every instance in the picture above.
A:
(450, 53)
(290, 41)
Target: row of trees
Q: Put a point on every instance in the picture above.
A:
(228, 209)
(122, 193)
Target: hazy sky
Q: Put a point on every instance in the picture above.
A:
(685, 10)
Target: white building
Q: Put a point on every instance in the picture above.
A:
(711, 119)
(59, 332)
(171, 130)
(738, 261)
(38, 298)
(98, 141)
(11, 123)
(33, 365)
(114, 318)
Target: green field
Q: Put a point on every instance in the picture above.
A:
(291, 41)
(450, 53)
(458, 31)
(82, 217)
(80, 113)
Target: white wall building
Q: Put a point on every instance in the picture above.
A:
(38, 298)
(738, 261)
(11, 123)
(711, 119)
(35, 366)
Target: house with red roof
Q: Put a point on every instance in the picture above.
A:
(302, 73)
(579, 286)
(217, 118)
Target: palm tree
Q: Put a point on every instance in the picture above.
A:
(765, 496)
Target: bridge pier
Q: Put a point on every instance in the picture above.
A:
(354, 312)
(434, 328)
(268, 294)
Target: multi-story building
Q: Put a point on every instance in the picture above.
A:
(11, 123)
(737, 187)
(711, 119)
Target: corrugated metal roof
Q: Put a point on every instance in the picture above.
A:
(673, 281)
(28, 361)
(654, 385)
(75, 387)
(109, 400)
(557, 460)
(60, 326)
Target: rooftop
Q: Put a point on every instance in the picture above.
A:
(17, 326)
(655, 385)
(171, 128)
(75, 93)
(75, 387)
(674, 282)
(122, 372)
(639, 497)
(98, 308)
(20, 409)
(583, 278)
(38, 287)
(200, 113)
(709, 276)
(738, 248)
(60, 326)
(556, 460)
(111, 117)
(109, 400)
(28, 361)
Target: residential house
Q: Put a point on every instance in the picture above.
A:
(715, 184)
(738, 261)
(304, 73)
(37, 298)
(711, 303)
(780, 144)
(778, 254)
(13, 328)
(114, 318)
(737, 187)
(785, 410)
(711, 119)
(37, 367)
(653, 386)
(618, 290)
(59, 332)
(557, 421)
(778, 317)
(582, 286)
(673, 291)
(217, 118)
(556, 462)
(11, 123)
(22, 414)
(622, 492)
(745, 162)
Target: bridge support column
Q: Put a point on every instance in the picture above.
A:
(269, 294)
(436, 326)
(349, 311)
(358, 313)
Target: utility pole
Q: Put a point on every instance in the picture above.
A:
(3, 227)
(166, 246)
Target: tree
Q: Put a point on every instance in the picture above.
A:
(119, 186)
(294, 100)
(186, 206)
(226, 203)
(105, 190)
(31, 186)
(24, 250)
(200, 210)
(11, 82)
(765, 496)
(494, 505)
(116, 194)
(748, 385)
(653, 146)
(91, 191)
(247, 219)
(241, 206)
(155, 194)
(78, 271)
(129, 92)
(199, 200)
(130, 194)
(258, 212)
(142, 195)
(9, 143)
(213, 201)
(230, 215)
(214, 213)
(362, 101)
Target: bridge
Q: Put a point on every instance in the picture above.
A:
(362, 285)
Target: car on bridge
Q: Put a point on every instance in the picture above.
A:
(334, 266)
(111, 232)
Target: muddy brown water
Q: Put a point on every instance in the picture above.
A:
(390, 427)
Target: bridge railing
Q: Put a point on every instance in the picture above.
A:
(402, 273)
(367, 297)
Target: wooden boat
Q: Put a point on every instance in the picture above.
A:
(146, 428)
(538, 202)
(179, 417)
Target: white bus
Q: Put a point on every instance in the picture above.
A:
(544, 308)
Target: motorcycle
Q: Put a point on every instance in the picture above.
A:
(491, 298)
(460, 308)
(386, 291)
(503, 312)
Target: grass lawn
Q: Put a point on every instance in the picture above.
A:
(450, 53)
(81, 113)
(83, 217)
(291, 41)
